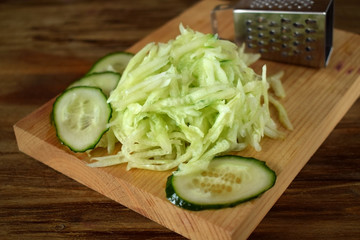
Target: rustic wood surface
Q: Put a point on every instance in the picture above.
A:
(46, 46)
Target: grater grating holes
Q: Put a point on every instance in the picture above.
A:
(282, 4)
(290, 31)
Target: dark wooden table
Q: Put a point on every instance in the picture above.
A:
(45, 45)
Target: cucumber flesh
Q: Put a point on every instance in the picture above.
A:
(113, 62)
(228, 181)
(80, 116)
(106, 81)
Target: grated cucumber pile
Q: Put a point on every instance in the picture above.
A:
(180, 103)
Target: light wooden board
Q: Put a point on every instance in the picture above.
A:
(316, 101)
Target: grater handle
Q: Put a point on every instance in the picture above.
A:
(214, 16)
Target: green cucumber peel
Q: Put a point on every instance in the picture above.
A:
(219, 186)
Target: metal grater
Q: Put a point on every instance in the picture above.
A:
(291, 31)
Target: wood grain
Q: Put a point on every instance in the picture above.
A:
(318, 101)
(36, 202)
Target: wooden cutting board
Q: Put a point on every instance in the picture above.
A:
(316, 101)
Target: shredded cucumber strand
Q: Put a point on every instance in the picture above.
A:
(106, 161)
(284, 119)
(183, 102)
(276, 85)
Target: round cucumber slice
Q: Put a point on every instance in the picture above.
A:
(80, 116)
(106, 81)
(113, 62)
(228, 181)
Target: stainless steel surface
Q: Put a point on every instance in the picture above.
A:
(291, 31)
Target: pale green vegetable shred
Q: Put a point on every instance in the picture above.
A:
(180, 103)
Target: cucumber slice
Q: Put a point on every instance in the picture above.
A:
(106, 81)
(113, 62)
(80, 117)
(228, 181)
